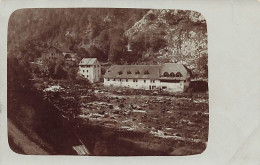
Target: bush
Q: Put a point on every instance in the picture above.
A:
(157, 42)
(151, 17)
(82, 80)
(72, 74)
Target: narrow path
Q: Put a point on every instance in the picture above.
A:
(23, 142)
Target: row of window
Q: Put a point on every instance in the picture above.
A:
(166, 74)
(87, 70)
(151, 81)
(88, 66)
(52, 58)
(136, 72)
(52, 54)
(134, 80)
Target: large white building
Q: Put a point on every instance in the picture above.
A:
(90, 68)
(170, 76)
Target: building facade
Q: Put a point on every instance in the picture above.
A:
(53, 53)
(90, 68)
(169, 76)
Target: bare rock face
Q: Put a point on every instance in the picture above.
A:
(185, 33)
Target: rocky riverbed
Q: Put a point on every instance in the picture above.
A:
(152, 123)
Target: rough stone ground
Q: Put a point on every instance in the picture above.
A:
(127, 122)
(156, 124)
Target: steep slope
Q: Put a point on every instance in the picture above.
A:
(32, 30)
(116, 35)
(184, 32)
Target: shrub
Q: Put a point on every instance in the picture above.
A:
(151, 17)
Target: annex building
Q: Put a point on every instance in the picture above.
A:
(90, 68)
(169, 76)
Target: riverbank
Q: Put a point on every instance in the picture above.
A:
(114, 122)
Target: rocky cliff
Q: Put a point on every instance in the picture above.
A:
(185, 34)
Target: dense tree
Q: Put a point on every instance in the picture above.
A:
(131, 57)
(18, 74)
(72, 74)
(93, 51)
(54, 69)
(48, 68)
(139, 44)
(82, 53)
(146, 42)
(18, 81)
(117, 47)
(157, 42)
(59, 72)
(150, 17)
(82, 80)
(104, 37)
(203, 65)
(70, 27)
(129, 24)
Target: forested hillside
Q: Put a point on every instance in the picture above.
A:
(122, 36)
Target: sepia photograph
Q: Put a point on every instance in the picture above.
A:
(107, 82)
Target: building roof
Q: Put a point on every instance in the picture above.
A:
(129, 71)
(146, 71)
(70, 57)
(87, 61)
(175, 68)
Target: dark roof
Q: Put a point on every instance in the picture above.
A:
(154, 71)
(175, 68)
(70, 56)
(87, 61)
(113, 71)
